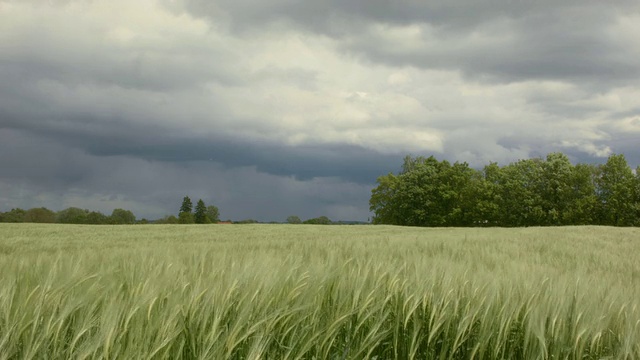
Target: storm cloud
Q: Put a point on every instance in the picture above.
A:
(279, 107)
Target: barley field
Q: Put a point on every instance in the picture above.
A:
(318, 292)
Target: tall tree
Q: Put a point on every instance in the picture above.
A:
(200, 215)
(636, 190)
(614, 189)
(519, 193)
(187, 205)
(486, 190)
(384, 203)
(555, 189)
(213, 214)
(583, 200)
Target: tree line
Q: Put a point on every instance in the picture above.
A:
(187, 214)
(531, 192)
(72, 215)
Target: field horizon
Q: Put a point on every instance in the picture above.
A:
(318, 292)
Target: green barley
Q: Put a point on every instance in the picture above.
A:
(318, 292)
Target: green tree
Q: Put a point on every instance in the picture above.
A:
(186, 206)
(531, 192)
(122, 216)
(97, 218)
(582, 200)
(520, 194)
(615, 182)
(427, 192)
(200, 215)
(557, 195)
(170, 219)
(186, 218)
(459, 199)
(322, 220)
(213, 214)
(384, 203)
(72, 215)
(485, 188)
(14, 216)
(636, 197)
(293, 219)
(40, 215)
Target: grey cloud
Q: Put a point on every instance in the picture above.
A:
(320, 16)
(33, 167)
(306, 161)
(135, 123)
(568, 40)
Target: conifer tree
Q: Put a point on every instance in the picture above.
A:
(201, 213)
(185, 216)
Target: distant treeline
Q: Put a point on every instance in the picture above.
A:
(72, 215)
(532, 192)
(202, 214)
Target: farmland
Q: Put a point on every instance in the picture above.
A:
(318, 292)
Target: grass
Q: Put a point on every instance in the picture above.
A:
(318, 292)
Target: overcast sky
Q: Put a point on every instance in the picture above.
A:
(270, 108)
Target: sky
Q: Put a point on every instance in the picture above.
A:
(271, 108)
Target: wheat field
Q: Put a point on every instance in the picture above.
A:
(318, 292)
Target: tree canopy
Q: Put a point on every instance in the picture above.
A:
(531, 192)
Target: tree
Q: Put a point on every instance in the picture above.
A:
(484, 189)
(615, 192)
(97, 218)
(531, 192)
(557, 195)
(186, 218)
(519, 191)
(322, 220)
(293, 219)
(636, 191)
(121, 216)
(384, 203)
(14, 216)
(40, 215)
(186, 206)
(200, 216)
(583, 200)
(170, 219)
(427, 192)
(213, 214)
(72, 215)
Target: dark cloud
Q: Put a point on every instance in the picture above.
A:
(280, 107)
(41, 172)
(486, 40)
(117, 137)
